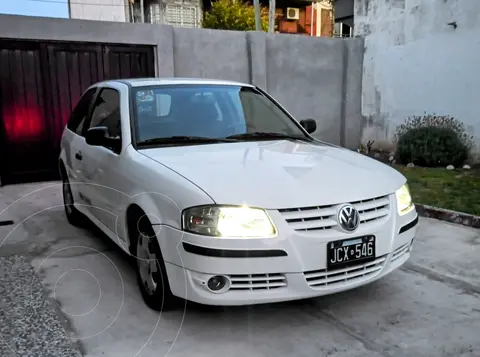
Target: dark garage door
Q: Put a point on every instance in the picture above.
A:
(39, 85)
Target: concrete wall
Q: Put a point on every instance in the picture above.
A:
(416, 62)
(313, 77)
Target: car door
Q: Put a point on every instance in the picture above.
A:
(101, 168)
(73, 142)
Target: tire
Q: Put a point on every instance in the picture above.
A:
(74, 216)
(151, 272)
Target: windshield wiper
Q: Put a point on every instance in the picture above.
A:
(258, 135)
(183, 139)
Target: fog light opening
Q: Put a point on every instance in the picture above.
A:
(218, 284)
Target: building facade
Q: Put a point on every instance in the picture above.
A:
(292, 16)
(344, 20)
(179, 13)
(304, 18)
(99, 10)
(420, 57)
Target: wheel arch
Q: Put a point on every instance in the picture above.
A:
(145, 210)
(61, 168)
(133, 214)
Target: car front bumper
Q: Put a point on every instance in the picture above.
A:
(289, 267)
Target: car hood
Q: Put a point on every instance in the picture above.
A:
(279, 174)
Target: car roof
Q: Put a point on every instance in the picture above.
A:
(140, 82)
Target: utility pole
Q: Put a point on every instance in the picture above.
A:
(258, 24)
(271, 16)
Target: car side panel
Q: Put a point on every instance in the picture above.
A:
(72, 144)
(103, 168)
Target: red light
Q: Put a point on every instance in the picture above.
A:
(196, 220)
(22, 122)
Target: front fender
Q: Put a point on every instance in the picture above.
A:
(160, 209)
(160, 192)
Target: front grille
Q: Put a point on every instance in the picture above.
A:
(324, 217)
(356, 273)
(373, 209)
(254, 282)
(400, 251)
(310, 218)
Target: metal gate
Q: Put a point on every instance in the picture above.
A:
(40, 82)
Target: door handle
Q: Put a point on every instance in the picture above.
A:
(78, 155)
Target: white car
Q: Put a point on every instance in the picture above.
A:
(224, 198)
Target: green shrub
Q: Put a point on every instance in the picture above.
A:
(431, 147)
(233, 15)
(438, 121)
(433, 140)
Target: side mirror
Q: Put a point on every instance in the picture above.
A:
(310, 125)
(97, 136)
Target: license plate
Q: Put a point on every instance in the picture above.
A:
(342, 253)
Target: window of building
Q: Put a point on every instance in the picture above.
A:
(343, 30)
(181, 15)
(154, 14)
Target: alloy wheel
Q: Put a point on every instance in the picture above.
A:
(147, 264)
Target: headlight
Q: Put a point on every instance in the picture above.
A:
(404, 200)
(228, 222)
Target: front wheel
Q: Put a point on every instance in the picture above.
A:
(151, 273)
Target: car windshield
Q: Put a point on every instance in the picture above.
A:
(208, 111)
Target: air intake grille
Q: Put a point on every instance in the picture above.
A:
(355, 273)
(255, 282)
(400, 251)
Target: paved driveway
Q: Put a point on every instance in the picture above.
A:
(431, 307)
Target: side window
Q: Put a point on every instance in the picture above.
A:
(80, 112)
(258, 106)
(106, 112)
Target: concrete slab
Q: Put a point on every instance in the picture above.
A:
(412, 312)
(110, 318)
(40, 226)
(448, 249)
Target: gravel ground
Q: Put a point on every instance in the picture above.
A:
(29, 324)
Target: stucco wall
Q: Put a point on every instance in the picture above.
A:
(313, 77)
(416, 62)
(100, 10)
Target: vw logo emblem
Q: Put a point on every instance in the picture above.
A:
(348, 218)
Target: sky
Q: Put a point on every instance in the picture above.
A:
(48, 8)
